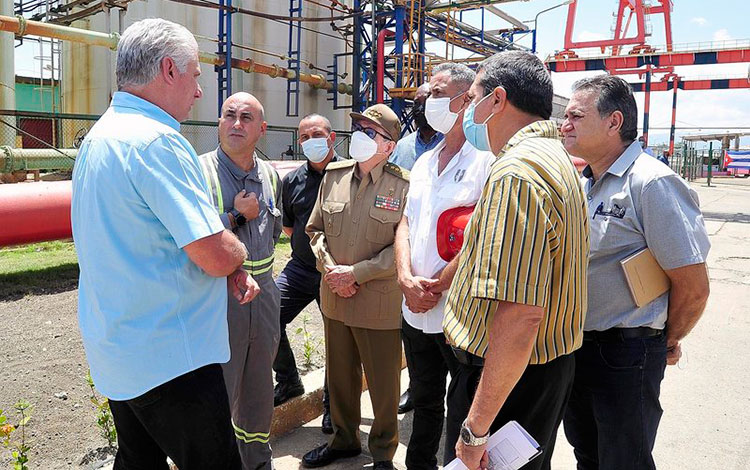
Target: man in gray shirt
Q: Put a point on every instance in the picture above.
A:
(247, 194)
(635, 202)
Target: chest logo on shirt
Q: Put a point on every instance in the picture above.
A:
(459, 175)
(615, 211)
(387, 202)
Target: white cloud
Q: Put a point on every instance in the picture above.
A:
(722, 35)
(699, 20)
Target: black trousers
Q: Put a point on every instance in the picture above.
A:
(537, 403)
(186, 419)
(299, 285)
(429, 359)
(614, 411)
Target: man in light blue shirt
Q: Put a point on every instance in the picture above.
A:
(410, 148)
(154, 256)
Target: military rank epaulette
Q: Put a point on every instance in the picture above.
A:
(397, 170)
(341, 164)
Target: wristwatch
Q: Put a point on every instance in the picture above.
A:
(468, 437)
(239, 219)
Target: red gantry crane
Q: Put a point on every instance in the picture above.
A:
(623, 55)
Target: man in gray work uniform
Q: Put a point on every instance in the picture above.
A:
(247, 194)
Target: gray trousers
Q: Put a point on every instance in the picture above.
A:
(253, 340)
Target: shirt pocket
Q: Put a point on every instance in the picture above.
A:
(333, 217)
(386, 298)
(381, 225)
(617, 228)
(461, 194)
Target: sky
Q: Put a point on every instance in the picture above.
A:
(693, 21)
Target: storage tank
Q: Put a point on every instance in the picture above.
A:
(88, 72)
(7, 77)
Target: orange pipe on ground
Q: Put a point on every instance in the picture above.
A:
(34, 212)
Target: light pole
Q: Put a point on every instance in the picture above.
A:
(533, 33)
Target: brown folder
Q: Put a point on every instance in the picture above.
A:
(646, 279)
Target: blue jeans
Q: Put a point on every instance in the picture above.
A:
(614, 412)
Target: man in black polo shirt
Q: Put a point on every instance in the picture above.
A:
(299, 282)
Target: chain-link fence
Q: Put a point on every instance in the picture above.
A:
(31, 130)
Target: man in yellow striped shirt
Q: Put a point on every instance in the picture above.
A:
(515, 310)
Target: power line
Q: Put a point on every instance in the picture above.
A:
(268, 16)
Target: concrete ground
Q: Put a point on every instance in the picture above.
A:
(706, 421)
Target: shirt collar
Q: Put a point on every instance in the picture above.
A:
(435, 157)
(625, 161)
(547, 129)
(375, 173)
(621, 165)
(122, 99)
(236, 171)
(437, 135)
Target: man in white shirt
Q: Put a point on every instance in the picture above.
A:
(449, 176)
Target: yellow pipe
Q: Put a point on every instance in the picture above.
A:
(21, 27)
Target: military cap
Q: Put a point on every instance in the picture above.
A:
(382, 116)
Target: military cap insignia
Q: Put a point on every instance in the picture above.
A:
(373, 114)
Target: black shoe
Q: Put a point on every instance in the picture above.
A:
(404, 403)
(283, 392)
(327, 426)
(324, 455)
(383, 465)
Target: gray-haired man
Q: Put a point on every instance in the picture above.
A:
(449, 176)
(154, 256)
(634, 203)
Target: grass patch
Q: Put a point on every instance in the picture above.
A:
(50, 267)
(38, 268)
(282, 253)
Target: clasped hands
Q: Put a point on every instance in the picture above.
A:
(340, 279)
(420, 293)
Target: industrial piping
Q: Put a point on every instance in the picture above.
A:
(20, 26)
(35, 159)
(36, 212)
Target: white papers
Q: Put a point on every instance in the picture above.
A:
(510, 448)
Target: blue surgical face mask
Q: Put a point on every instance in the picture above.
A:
(476, 133)
(316, 149)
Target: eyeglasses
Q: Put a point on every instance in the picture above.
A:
(368, 131)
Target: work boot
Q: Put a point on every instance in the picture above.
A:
(283, 392)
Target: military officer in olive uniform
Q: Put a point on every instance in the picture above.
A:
(351, 229)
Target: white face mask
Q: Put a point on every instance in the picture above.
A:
(439, 115)
(362, 148)
(316, 149)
